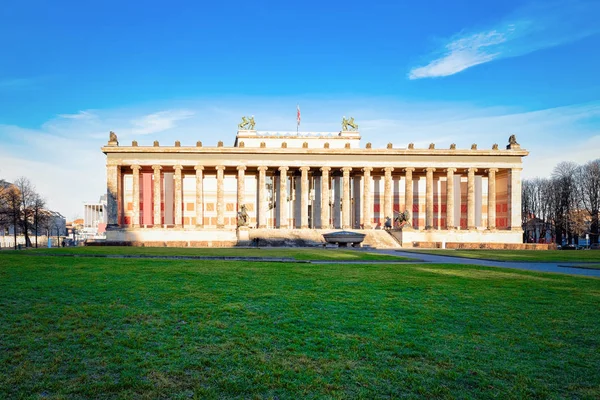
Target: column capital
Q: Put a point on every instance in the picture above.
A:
(388, 170)
(241, 167)
(157, 167)
(451, 170)
(199, 167)
(491, 170)
(367, 169)
(262, 168)
(471, 170)
(325, 169)
(429, 169)
(409, 169)
(346, 169)
(304, 169)
(220, 167)
(283, 169)
(136, 167)
(177, 167)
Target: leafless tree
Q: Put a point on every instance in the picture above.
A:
(536, 206)
(28, 197)
(12, 208)
(565, 198)
(39, 215)
(588, 180)
(4, 214)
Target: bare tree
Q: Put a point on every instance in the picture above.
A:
(537, 203)
(565, 198)
(4, 214)
(38, 215)
(12, 202)
(589, 189)
(28, 197)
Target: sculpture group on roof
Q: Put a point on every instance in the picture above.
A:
(247, 124)
(349, 124)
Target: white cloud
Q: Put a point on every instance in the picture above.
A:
(79, 116)
(159, 121)
(529, 29)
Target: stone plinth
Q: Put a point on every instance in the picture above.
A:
(409, 236)
(243, 235)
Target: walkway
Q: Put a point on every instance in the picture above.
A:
(555, 267)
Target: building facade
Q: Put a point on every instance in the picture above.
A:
(94, 219)
(300, 183)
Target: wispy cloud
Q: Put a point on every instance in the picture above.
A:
(81, 115)
(528, 29)
(159, 121)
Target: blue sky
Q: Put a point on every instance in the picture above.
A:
(460, 71)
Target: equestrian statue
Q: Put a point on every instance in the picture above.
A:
(247, 124)
(349, 124)
(402, 218)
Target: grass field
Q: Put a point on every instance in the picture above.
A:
(294, 253)
(124, 328)
(520, 255)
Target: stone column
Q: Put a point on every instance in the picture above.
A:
(304, 198)
(514, 199)
(492, 198)
(367, 207)
(157, 222)
(429, 197)
(408, 194)
(282, 206)
(220, 197)
(388, 200)
(325, 193)
(471, 198)
(136, 196)
(450, 198)
(199, 196)
(346, 198)
(112, 195)
(262, 201)
(241, 186)
(178, 197)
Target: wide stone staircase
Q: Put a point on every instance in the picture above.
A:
(314, 237)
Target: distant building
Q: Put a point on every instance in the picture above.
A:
(56, 225)
(94, 219)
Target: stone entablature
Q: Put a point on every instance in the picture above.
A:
(303, 186)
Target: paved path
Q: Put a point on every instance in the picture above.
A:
(556, 267)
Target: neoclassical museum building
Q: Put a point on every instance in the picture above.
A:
(295, 186)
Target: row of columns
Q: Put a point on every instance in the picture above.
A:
(514, 179)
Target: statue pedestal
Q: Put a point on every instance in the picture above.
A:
(243, 235)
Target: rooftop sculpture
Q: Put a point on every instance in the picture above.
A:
(349, 124)
(247, 124)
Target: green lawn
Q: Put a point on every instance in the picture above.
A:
(294, 253)
(135, 328)
(520, 255)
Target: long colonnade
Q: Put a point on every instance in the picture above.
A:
(283, 174)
